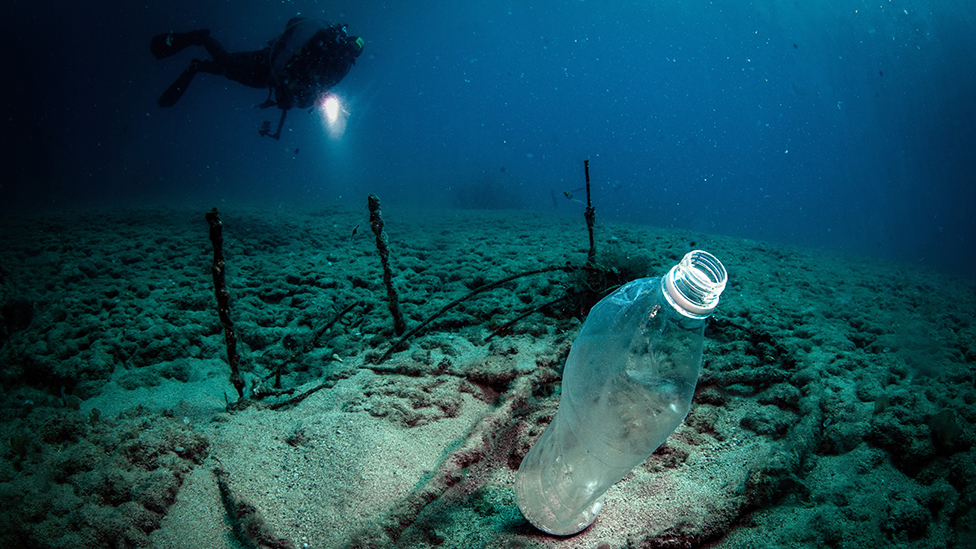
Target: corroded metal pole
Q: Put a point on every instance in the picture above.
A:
(376, 223)
(590, 216)
(223, 300)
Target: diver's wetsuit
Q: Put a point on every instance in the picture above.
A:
(250, 68)
(295, 67)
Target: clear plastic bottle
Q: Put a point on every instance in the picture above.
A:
(627, 385)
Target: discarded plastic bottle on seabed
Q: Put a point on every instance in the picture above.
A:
(627, 385)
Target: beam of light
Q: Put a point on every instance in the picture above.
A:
(332, 108)
(333, 115)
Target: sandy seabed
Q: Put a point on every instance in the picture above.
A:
(835, 407)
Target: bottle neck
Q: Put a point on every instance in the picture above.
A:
(694, 285)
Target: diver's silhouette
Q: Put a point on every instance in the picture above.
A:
(297, 67)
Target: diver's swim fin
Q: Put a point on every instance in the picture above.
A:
(171, 43)
(175, 90)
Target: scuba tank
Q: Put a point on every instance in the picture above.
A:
(309, 58)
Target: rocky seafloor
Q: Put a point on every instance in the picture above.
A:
(835, 407)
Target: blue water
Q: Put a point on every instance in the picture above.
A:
(847, 125)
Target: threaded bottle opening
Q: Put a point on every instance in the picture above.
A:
(694, 285)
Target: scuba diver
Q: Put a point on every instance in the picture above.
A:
(297, 67)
